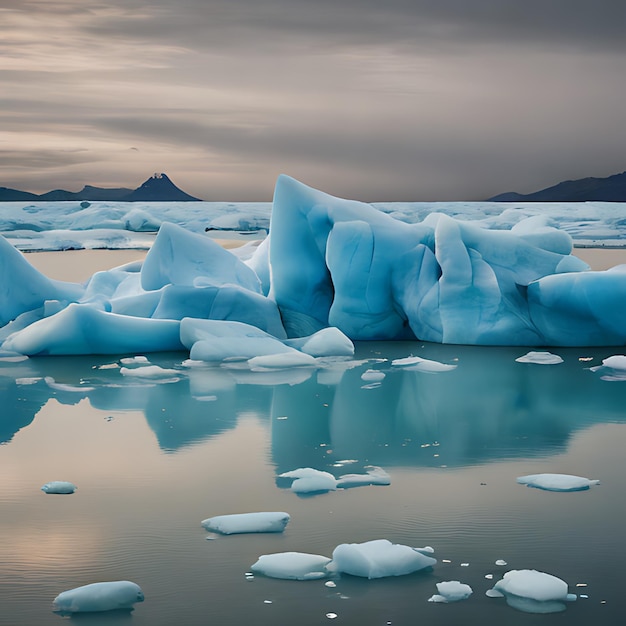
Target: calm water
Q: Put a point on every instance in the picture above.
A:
(153, 460)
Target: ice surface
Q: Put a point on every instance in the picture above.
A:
(308, 480)
(557, 482)
(59, 486)
(451, 591)
(378, 559)
(105, 596)
(418, 364)
(540, 358)
(292, 566)
(331, 271)
(237, 523)
(532, 591)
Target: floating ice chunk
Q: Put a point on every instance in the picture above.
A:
(501, 562)
(416, 363)
(135, 360)
(152, 372)
(374, 476)
(533, 592)
(66, 387)
(617, 362)
(378, 558)
(372, 376)
(105, 596)
(540, 358)
(451, 591)
(261, 522)
(292, 566)
(59, 486)
(557, 482)
(309, 480)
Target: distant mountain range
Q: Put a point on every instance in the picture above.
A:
(610, 189)
(158, 188)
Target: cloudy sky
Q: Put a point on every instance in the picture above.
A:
(366, 99)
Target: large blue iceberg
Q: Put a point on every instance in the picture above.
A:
(326, 263)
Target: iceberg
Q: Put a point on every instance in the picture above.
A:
(292, 566)
(59, 486)
(104, 596)
(532, 591)
(239, 523)
(451, 591)
(331, 271)
(557, 482)
(379, 558)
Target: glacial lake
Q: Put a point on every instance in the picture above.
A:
(153, 459)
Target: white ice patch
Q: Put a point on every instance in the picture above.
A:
(451, 591)
(532, 591)
(135, 360)
(557, 482)
(308, 480)
(418, 364)
(372, 376)
(292, 566)
(59, 486)
(378, 559)
(283, 360)
(259, 522)
(151, 372)
(540, 358)
(105, 596)
(374, 476)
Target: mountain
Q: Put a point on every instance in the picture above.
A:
(158, 188)
(610, 189)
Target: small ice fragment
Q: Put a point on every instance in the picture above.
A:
(493, 593)
(372, 376)
(557, 482)
(540, 358)
(581, 584)
(131, 360)
(292, 566)
(501, 562)
(416, 363)
(464, 564)
(267, 602)
(330, 583)
(446, 561)
(105, 596)
(583, 595)
(282, 417)
(238, 523)
(451, 591)
(28, 381)
(488, 576)
(59, 486)
(374, 476)
(307, 480)
(331, 615)
(152, 372)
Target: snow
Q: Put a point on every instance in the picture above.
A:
(532, 591)
(451, 591)
(292, 566)
(378, 558)
(104, 596)
(330, 272)
(59, 486)
(557, 482)
(237, 523)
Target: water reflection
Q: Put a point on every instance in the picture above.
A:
(489, 407)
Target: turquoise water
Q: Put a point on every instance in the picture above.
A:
(151, 460)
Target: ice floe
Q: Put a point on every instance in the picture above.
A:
(59, 486)
(379, 558)
(532, 591)
(238, 523)
(292, 566)
(451, 591)
(418, 364)
(307, 480)
(102, 596)
(540, 358)
(557, 482)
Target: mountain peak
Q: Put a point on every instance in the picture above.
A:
(159, 188)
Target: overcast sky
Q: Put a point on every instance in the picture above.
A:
(365, 99)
